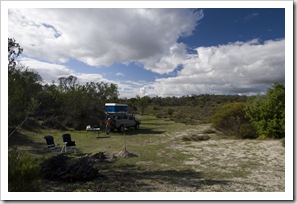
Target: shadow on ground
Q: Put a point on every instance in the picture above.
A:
(131, 178)
(143, 131)
(154, 181)
(22, 142)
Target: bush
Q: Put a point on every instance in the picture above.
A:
(267, 113)
(195, 137)
(247, 131)
(23, 172)
(170, 111)
(231, 119)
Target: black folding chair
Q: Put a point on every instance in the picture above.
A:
(68, 142)
(50, 142)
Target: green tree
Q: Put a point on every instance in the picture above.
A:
(143, 103)
(267, 113)
(23, 87)
(14, 50)
(83, 105)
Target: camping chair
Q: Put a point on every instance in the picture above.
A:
(68, 142)
(50, 142)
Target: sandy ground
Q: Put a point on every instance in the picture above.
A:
(235, 165)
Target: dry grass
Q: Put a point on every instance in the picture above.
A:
(165, 162)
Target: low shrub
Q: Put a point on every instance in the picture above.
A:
(247, 131)
(231, 119)
(23, 172)
(195, 137)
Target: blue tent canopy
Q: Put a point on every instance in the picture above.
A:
(116, 108)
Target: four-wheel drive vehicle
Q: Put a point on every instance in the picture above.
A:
(120, 121)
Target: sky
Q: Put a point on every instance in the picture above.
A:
(155, 52)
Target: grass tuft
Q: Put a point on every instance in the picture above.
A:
(195, 138)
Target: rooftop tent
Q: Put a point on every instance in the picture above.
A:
(116, 108)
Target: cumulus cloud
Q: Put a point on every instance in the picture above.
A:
(52, 72)
(234, 68)
(48, 71)
(101, 37)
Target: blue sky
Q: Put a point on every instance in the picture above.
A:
(156, 52)
(221, 26)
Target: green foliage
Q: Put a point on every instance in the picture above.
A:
(247, 130)
(23, 172)
(24, 85)
(68, 104)
(230, 118)
(143, 103)
(80, 105)
(267, 113)
(170, 111)
(194, 109)
(14, 50)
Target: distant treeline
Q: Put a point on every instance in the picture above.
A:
(68, 104)
(187, 109)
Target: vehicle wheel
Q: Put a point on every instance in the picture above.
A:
(122, 128)
(137, 126)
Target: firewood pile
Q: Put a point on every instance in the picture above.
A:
(102, 157)
(63, 168)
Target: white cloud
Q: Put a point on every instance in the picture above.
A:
(48, 71)
(120, 74)
(235, 68)
(101, 37)
(52, 72)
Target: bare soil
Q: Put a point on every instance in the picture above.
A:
(234, 165)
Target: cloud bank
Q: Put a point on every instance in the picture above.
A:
(101, 37)
(235, 68)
